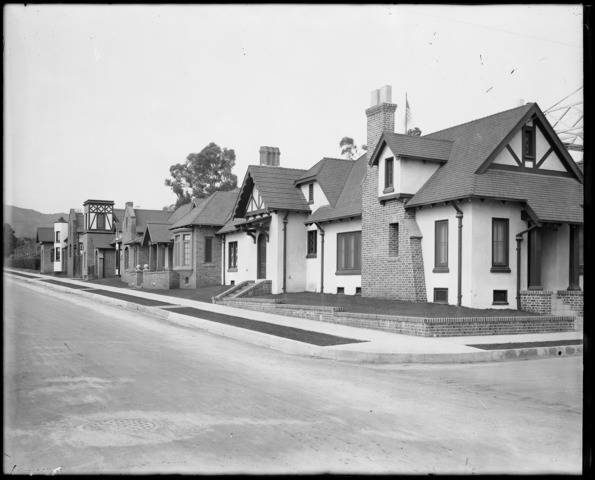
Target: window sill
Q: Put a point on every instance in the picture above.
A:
(499, 303)
(348, 272)
(500, 270)
(535, 288)
(390, 189)
(184, 268)
(311, 255)
(232, 269)
(440, 270)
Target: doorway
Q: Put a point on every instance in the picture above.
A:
(261, 257)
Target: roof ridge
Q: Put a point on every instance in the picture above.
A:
(529, 105)
(279, 168)
(423, 137)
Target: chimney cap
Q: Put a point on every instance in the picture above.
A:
(381, 95)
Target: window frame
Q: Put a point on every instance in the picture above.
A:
(441, 290)
(343, 253)
(393, 243)
(312, 244)
(186, 257)
(58, 236)
(208, 253)
(389, 179)
(232, 256)
(103, 218)
(503, 267)
(499, 302)
(57, 254)
(529, 157)
(440, 267)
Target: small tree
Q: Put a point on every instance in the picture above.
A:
(414, 132)
(10, 240)
(349, 149)
(203, 173)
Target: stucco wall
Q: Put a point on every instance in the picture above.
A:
(555, 245)
(319, 196)
(414, 173)
(331, 280)
(297, 248)
(60, 265)
(246, 263)
(397, 182)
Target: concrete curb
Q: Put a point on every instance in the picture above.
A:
(291, 347)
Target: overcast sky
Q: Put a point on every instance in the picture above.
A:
(101, 100)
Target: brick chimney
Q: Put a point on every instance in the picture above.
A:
(270, 156)
(381, 116)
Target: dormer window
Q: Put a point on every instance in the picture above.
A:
(529, 146)
(389, 168)
(310, 193)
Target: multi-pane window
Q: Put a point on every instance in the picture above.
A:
(528, 146)
(393, 240)
(349, 252)
(500, 244)
(312, 239)
(186, 251)
(233, 254)
(208, 249)
(310, 193)
(441, 246)
(389, 165)
(57, 256)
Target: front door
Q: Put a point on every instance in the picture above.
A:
(261, 257)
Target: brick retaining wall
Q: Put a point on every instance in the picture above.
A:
(574, 299)
(163, 280)
(419, 326)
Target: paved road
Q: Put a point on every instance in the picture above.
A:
(98, 389)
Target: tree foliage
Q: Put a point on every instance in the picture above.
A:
(203, 173)
(10, 240)
(349, 149)
(414, 132)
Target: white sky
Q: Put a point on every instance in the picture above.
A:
(101, 100)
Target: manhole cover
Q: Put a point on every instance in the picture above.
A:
(121, 425)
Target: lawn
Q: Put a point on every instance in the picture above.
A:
(356, 303)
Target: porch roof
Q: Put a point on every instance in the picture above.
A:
(45, 235)
(157, 233)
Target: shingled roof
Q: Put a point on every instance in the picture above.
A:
(211, 211)
(157, 233)
(153, 216)
(473, 144)
(45, 235)
(276, 186)
(349, 203)
(413, 147)
(331, 174)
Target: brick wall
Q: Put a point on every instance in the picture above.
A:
(162, 280)
(537, 301)
(45, 253)
(574, 299)
(260, 288)
(207, 273)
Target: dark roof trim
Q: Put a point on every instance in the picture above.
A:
(379, 146)
(334, 219)
(535, 114)
(308, 179)
(534, 171)
(239, 208)
(423, 159)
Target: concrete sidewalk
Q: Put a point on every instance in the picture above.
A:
(372, 346)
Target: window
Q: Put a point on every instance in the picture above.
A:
(57, 237)
(208, 250)
(100, 222)
(52, 255)
(393, 240)
(186, 257)
(528, 146)
(441, 295)
(500, 297)
(388, 173)
(358, 290)
(441, 246)
(70, 249)
(233, 254)
(349, 253)
(500, 245)
(126, 257)
(177, 250)
(310, 193)
(312, 239)
(57, 254)
(340, 290)
(80, 246)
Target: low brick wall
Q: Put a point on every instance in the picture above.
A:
(260, 288)
(536, 301)
(574, 299)
(419, 326)
(163, 280)
(135, 279)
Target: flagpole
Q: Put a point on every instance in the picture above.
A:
(405, 113)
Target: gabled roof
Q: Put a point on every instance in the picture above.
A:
(119, 214)
(413, 147)
(349, 203)
(211, 211)
(231, 224)
(331, 174)
(144, 216)
(276, 186)
(45, 235)
(157, 233)
(182, 210)
(465, 174)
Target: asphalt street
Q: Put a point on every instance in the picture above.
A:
(97, 389)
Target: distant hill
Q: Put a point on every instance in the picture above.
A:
(25, 221)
